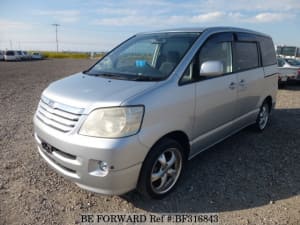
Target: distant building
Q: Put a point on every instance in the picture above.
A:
(288, 51)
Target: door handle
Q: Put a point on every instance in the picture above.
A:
(242, 82)
(232, 85)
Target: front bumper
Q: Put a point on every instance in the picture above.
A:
(76, 158)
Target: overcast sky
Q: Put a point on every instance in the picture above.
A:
(99, 25)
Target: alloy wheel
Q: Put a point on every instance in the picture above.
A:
(166, 170)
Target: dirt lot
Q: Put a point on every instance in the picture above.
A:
(250, 178)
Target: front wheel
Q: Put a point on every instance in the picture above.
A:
(161, 169)
(263, 117)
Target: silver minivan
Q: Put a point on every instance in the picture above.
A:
(136, 117)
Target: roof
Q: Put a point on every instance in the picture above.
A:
(202, 29)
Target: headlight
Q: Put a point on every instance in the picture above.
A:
(113, 122)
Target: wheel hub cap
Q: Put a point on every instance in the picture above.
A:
(166, 171)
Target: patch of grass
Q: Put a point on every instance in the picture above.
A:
(71, 55)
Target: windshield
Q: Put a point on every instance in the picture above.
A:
(145, 57)
(10, 53)
(293, 62)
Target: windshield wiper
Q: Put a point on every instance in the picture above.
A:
(146, 78)
(109, 75)
(124, 76)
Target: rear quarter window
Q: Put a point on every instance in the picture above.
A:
(267, 51)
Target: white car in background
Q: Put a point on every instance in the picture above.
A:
(37, 55)
(289, 69)
(20, 54)
(11, 55)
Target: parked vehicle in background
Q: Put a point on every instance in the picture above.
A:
(289, 69)
(12, 55)
(37, 55)
(1, 55)
(157, 100)
(288, 51)
(20, 54)
(25, 55)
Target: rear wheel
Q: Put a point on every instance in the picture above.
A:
(263, 116)
(281, 85)
(161, 169)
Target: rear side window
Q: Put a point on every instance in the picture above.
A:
(246, 56)
(267, 51)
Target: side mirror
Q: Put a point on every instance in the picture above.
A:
(211, 68)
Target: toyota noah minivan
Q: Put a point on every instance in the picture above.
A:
(135, 118)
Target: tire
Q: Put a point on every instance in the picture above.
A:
(281, 85)
(263, 117)
(161, 169)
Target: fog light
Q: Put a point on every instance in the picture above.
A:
(98, 168)
(103, 166)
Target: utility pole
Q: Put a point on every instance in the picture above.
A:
(56, 25)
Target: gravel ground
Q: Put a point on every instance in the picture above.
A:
(250, 178)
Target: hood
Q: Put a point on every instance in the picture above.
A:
(89, 92)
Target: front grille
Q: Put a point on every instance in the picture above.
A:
(58, 116)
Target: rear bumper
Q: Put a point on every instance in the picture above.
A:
(295, 78)
(284, 78)
(76, 158)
